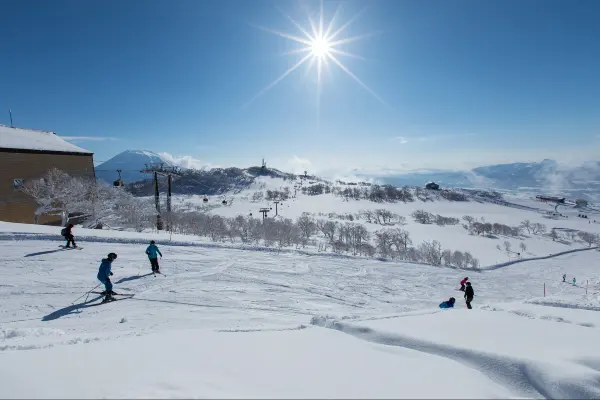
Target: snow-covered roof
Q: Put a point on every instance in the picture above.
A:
(30, 139)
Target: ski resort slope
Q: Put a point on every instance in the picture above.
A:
(455, 237)
(230, 323)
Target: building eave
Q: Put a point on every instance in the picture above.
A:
(51, 152)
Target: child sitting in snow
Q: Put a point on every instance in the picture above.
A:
(448, 304)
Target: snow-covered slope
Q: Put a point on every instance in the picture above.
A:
(131, 162)
(511, 211)
(232, 323)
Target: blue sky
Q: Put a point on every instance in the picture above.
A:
(463, 83)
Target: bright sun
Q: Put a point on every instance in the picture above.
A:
(320, 47)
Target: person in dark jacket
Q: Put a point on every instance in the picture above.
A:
(68, 234)
(104, 274)
(448, 303)
(469, 293)
(152, 251)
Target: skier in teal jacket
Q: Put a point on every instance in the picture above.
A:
(104, 273)
(152, 251)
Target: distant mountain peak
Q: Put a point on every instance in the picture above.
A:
(130, 162)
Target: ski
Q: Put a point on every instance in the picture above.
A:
(71, 248)
(114, 294)
(160, 273)
(111, 300)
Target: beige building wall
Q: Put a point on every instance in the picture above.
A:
(15, 206)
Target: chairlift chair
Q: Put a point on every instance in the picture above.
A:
(118, 182)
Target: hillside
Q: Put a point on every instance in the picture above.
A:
(444, 210)
(215, 181)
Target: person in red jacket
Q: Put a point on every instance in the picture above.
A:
(463, 283)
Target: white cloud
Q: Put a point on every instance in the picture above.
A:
(298, 165)
(188, 162)
(401, 139)
(88, 138)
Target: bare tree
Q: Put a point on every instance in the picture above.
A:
(307, 227)
(369, 216)
(356, 236)
(526, 225)
(327, 228)
(447, 257)
(422, 217)
(523, 247)
(468, 219)
(538, 228)
(431, 252)
(554, 234)
(471, 261)
(507, 247)
(257, 196)
(400, 239)
(459, 259)
(383, 243)
(588, 238)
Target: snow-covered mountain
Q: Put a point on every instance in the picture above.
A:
(546, 175)
(130, 162)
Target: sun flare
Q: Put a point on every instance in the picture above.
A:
(320, 47)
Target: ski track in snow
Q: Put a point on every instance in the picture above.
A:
(241, 293)
(525, 377)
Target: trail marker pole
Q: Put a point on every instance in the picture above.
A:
(544, 289)
(586, 285)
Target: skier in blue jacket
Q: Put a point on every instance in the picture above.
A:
(448, 304)
(152, 251)
(104, 274)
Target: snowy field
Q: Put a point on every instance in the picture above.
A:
(227, 322)
(514, 210)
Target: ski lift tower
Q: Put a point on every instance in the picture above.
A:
(156, 170)
(264, 211)
(276, 204)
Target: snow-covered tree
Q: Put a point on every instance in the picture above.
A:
(588, 238)
(526, 225)
(57, 192)
(307, 227)
(538, 228)
(431, 252)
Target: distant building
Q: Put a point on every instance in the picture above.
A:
(550, 199)
(27, 154)
(581, 203)
(432, 186)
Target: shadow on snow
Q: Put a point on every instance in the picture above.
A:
(132, 278)
(70, 309)
(40, 253)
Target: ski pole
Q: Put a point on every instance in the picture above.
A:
(88, 293)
